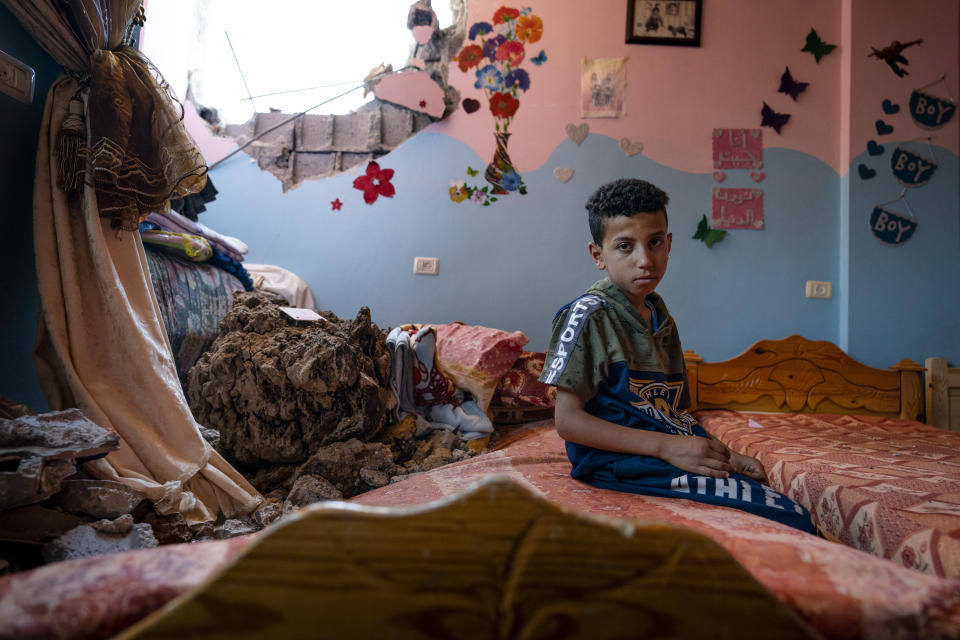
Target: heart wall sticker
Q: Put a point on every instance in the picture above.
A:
(578, 133)
(563, 174)
(630, 148)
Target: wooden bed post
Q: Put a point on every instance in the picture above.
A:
(911, 389)
(692, 360)
(936, 394)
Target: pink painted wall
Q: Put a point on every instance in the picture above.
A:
(876, 23)
(675, 95)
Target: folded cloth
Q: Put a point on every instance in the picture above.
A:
(401, 371)
(173, 221)
(283, 283)
(421, 388)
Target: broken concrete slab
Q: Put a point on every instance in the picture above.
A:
(97, 498)
(35, 479)
(169, 528)
(85, 541)
(59, 434)
(341, 464)
(36, 524)
(119, 527)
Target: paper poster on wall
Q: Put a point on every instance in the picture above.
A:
(737, 149)
(603, 87)
(737, 208)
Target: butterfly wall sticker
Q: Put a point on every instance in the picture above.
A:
(790, 86)
(816, 46)
(772, 119)
(540, 58)
(471, 171)
(707, 235)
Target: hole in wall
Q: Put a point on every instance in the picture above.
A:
(248, 70)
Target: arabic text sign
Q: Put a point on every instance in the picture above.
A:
(737, 209)
(737, 149)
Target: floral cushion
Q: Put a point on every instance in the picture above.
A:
(520, 387)
(475, 358)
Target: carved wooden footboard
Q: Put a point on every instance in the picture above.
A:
(804, 376)
(495, 562)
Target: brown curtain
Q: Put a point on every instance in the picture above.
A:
(101, 344)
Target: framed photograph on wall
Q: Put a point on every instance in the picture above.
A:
(674, 22)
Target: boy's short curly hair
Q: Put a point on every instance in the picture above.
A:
(624, 197)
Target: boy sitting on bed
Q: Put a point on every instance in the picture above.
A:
(616, 360)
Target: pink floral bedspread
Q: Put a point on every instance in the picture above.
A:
(841, 592)
(885, 486)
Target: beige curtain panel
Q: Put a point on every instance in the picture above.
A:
(112, 149)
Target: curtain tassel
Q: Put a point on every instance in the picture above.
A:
(70, 148)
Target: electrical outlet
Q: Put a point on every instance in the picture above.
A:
(426, 266)
(16, 78)
(818, 289)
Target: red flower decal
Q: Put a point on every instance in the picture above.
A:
(505, 13)
(423, 104)
(336, 204)
(503, 105)
(511, 51)
(469, 56)
(375, 183)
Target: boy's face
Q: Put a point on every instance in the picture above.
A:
(634, 253)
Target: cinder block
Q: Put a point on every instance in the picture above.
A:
(313, 165)
(350, 160)
(421, 121)
(357, 131)
(397, 124)
(282, 136)
(315, 133)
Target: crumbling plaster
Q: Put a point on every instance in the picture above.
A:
(315, 146)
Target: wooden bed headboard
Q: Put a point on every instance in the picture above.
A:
(942, 394)
(497, 561)
(796, 375)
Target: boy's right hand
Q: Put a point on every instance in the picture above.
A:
(703, 456)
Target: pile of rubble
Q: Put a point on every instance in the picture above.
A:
(303, 409)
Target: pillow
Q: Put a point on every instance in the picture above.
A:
(475, 358)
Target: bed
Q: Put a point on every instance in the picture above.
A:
(942, 394)
(531, 552)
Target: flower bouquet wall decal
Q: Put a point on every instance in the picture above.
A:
(494, 55)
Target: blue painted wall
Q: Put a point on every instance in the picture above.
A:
(512, 264)
(19, 127)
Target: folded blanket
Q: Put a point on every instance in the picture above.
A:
(173, 221)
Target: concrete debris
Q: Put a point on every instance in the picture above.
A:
(38, 451)
(119, 527)
(97, 498)
(268, 512)
(233, 528)
(36, 524)
(169, 528)
(341, 463)
(60, 434)
(308, 489)
(85, 541)
(278, 393)
(11, 409)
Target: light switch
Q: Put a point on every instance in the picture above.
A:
(16, 78)
(819, 289)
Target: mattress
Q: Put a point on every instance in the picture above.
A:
(886, 486)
